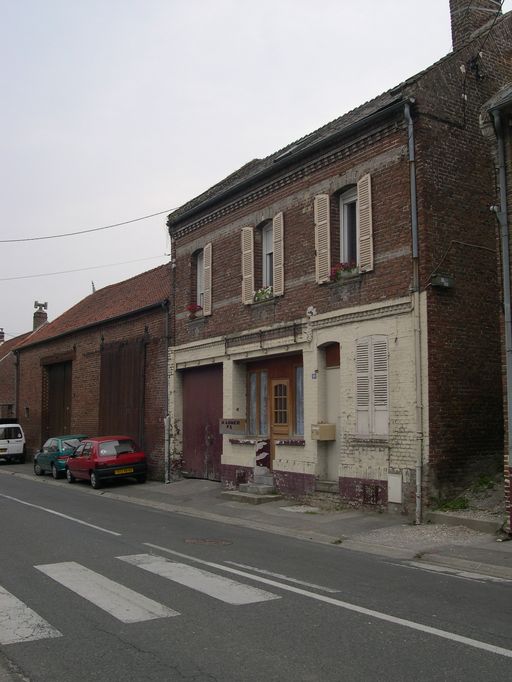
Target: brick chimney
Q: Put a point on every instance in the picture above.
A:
(2, 335)
(469, 16)
(40, 316)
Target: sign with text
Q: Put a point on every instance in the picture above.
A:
(232, 426)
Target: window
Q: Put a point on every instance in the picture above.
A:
(267, 249)
(356, 230)
(263, 258)
(348, 227)
(299, 401)
(202, 279)
(372, 401)
(258, 403)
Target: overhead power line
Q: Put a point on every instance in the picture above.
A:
(93, 229)
(65, 272)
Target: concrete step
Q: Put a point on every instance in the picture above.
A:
(249, 498)
(327, 487)
(256, 489)
(265, 479)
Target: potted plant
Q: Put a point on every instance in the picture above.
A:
(342, 271)
(193, 310)
(263, 294)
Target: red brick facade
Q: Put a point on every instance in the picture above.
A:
(461, 406)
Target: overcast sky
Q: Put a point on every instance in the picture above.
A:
(115, 109)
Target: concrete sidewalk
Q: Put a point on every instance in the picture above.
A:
(459, 547)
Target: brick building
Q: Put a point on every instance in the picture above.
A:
(8, 377)
(101, 367)
(377, 378)
(496, 123)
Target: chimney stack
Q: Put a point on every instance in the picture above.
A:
(469, 16)
(40, 316)
(2, 335)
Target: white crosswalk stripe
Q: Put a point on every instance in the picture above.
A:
(18, 623)
(225, 589)
(120, 602)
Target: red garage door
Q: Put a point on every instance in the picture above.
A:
(202, 409)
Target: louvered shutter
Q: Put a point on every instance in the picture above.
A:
(278, 244)
(322, 238)
(363, 385)
(380, 385)
(364, 218)
(247, 265)
(207, 265)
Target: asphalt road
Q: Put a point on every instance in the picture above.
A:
(93, 589)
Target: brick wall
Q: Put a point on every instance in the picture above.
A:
(86, 381)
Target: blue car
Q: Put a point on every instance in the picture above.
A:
(53, 456)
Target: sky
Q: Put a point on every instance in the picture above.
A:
(117, 109)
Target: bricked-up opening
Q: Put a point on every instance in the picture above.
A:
(468, 16)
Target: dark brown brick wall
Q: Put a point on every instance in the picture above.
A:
(86, 381)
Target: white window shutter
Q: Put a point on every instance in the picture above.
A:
(247, 265)
(364, 219)
(363, 387)
(380, 385)
(278, 237)
(207, 265)
(322, 238)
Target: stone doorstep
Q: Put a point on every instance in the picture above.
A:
(256, 488)
(250, 498)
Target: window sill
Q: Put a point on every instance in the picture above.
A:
(243, 441)
(196, 319)
(292, 441)
(345, 279)
(265, 301)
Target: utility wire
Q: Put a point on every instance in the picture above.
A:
(65, 272)
(94, 229)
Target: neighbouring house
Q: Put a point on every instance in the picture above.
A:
(496, 123)
(338, 300)
(8, 408)
(9, 365)
(101, 367)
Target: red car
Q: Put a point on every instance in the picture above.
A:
(106, 458)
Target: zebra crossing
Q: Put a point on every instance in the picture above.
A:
(19, 623)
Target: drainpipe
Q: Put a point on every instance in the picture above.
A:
(415, 290)
(165, 306)
(505, 256)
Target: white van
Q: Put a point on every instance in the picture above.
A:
(12, 443)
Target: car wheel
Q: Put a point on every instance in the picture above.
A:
(55, 472)
(37, 469)
(95, 483)
(141, 478)
(70, 477)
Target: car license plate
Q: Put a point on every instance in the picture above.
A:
(126, 470)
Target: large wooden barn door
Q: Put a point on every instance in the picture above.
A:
(122, 390)
(202, 410)
(56, 404)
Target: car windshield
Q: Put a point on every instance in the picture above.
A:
(70, 443)
(113, 448)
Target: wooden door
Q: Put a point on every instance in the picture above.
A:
(58, 400)
(202, 411)
(279, 412)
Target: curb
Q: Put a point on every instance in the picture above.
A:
(491, 526)
(467, 565)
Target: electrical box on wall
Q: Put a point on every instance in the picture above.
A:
(323, 431)
(442, 281)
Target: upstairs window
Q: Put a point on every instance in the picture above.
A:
(202, 279)
(267, 248)
(356, 230)
(348, 227)
(263, 259)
